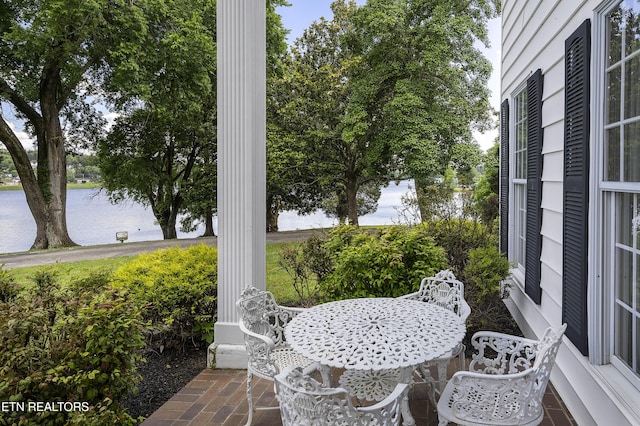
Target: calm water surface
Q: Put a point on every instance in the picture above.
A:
(93, 220)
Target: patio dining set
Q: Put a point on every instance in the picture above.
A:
(352, 362)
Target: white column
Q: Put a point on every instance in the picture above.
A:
(241, 60)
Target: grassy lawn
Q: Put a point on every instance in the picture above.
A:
(278, 281)
(67, 272)
(69, 186)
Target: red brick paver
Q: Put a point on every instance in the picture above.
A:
(218, 397)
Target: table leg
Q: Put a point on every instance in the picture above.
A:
(407, 418)
(406, 376)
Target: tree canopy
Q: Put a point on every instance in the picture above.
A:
(155, 149)
(391, 87)
(339, 149)
(422, 83)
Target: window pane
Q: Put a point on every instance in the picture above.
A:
(613, 98)
(612, 153)
(624, 335)
(632, 152)
(624, 222)
(614, 42)
(637, 346)
(631, 27)
(637, 289)
(624, 290)
(632, 88)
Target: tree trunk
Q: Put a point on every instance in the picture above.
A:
(208, 224)
(351, 193)
(273, 212)
(57, 233)
(166, 218)
(168, 226)
(420, 199)
(341, 207)
(46, 193)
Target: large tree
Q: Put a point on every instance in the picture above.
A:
(422, 83)
(163, 151)
(339, 144)
(167, 134)
(292, 182)
(52, 54)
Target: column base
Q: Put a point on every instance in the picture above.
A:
(223, 355)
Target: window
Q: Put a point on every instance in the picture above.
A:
(520, 127)
(620, 180)
(525, 163)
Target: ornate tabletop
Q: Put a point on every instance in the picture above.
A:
(374, 334)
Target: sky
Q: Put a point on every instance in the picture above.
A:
(302, 13)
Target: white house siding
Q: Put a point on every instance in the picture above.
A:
(533, 37)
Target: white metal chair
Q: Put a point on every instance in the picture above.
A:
(306, 402)
(262, 321)
(505, 383)
(448, 292)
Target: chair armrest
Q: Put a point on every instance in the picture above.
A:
(270, 344)
(499, 353)
(411, 296)
(292, 309)
(399, 390)
(465, 310)
(481, 398)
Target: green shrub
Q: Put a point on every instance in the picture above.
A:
(176, 289)
(387, 263)
(484, 273)
(9, 290)
(298, 266)
(62, 346)
(459, 236)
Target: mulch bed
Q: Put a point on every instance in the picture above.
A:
(163, 375)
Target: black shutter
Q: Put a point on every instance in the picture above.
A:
(576, 186)
(504, 177)
(534, 186)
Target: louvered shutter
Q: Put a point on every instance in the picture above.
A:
(534, 186)
(576, 185)
(504, 177)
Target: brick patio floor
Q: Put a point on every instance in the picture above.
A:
(218, 397)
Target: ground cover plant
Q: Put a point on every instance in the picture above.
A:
(74, 347)
(76, 338)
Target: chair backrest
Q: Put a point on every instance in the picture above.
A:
(305, 401)
(546, 351)
(260, 313)
(444, 290)
(523, 366)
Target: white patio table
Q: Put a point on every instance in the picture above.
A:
(385, 338)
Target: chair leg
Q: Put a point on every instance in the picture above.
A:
(325, 373)
(250, 398)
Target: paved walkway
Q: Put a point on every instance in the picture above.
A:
(218, 398)
(73, 254)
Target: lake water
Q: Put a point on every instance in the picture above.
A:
(93, 220)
